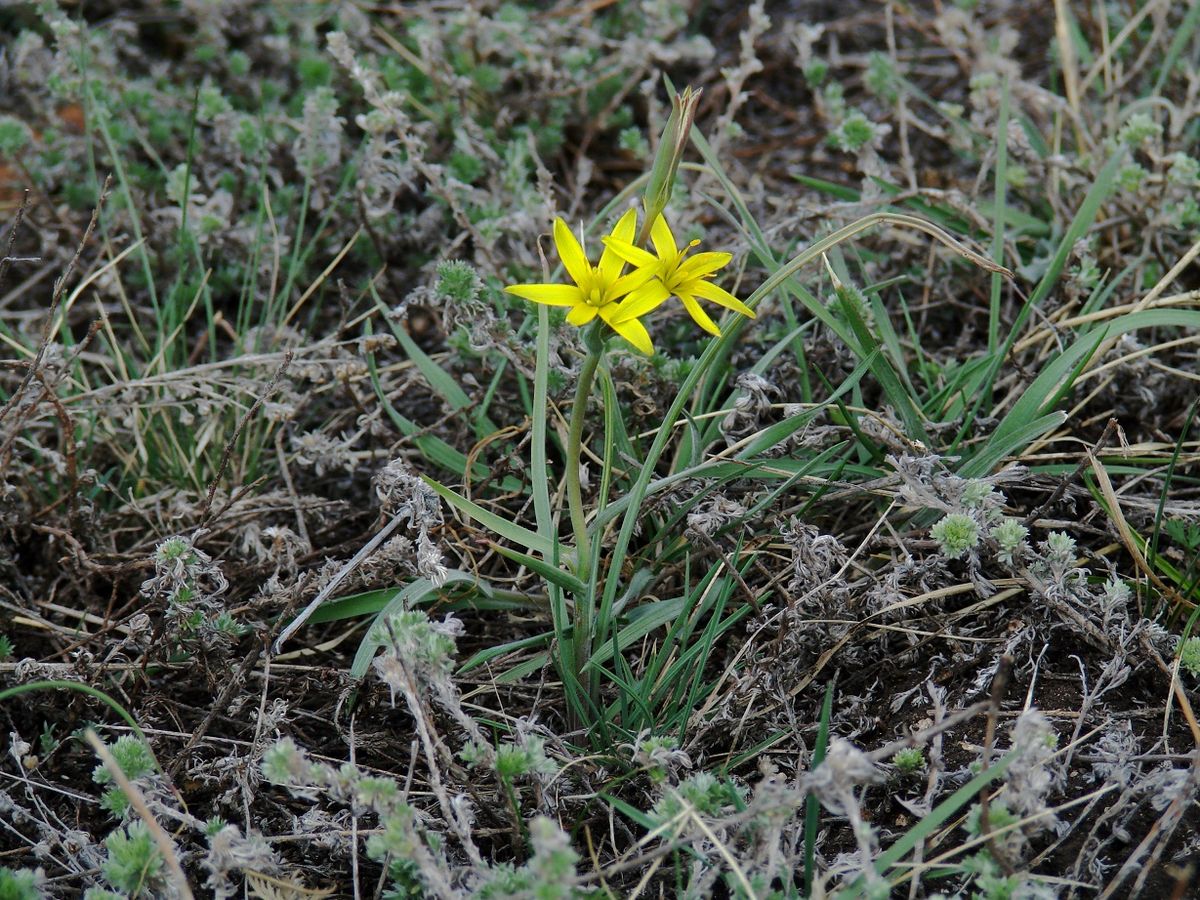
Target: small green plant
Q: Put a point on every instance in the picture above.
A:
(815, 72)
(1184, 533)
(956, 535)
(15, 136)
(978, 494)
(517, 762)
(1009, 535)
(1059, 547)
(7, 651)
(1139, 129)
(909, 760)
(135, 867)
(550, 871)
(1189, 655)
(457, 281)
(854, 133)
(703, 792)
(632, 141)
(880, 77)
(18, 884)
(213, 825)
(135, 760)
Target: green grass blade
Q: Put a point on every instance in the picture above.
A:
(1012, 441)
(1180, 41)
(94, 693)
(545, 570)
(439, 379)
(508, 530)
(483, 657)
(1000, 186)
(650, 617)
(540, 468)
(1100, 191)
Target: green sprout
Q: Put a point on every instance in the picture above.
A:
(909, 761)
(956, 535)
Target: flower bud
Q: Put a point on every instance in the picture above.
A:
(666, 160)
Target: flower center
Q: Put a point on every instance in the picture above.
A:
(671, 266)
(594, 295)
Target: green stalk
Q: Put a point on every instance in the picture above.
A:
(594, 341)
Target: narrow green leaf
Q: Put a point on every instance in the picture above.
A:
(501, 526)
(542, 513)
(549, 572)
(483, 657)
(439, 379)
(1000, 186)
(651, 616)
(1008, 444)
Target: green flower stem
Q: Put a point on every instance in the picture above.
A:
(594, 341)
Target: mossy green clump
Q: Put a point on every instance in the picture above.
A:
(956, 535)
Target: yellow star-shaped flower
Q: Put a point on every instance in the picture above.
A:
(598, 290)
(686, 278)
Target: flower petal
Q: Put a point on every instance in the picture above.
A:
(628, 252)
(635, 332)
(699, 315)
(549, 294)
(582, 314)
(703, 264)
(664, 241)
(641, 301)
(710, 291)
(612, 262)
(571, 254)
(630, 281)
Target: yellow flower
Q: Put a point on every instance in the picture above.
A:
(686, 278)
(598, 289)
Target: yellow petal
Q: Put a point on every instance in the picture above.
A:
(629, 282)
(571, 254)
(710, 291)
(612, 262)
(664, 241)
(549, 294)
(641, 301)
(582, 314)
(635, 332)
(703, 264)
(699, 315)
(628, 252)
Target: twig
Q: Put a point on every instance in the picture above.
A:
(8, 257)
(1073, 478)
(60, 288)
(999, 685)
(729, 565)
(337, 579)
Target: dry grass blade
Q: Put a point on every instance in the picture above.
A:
(268, 887)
